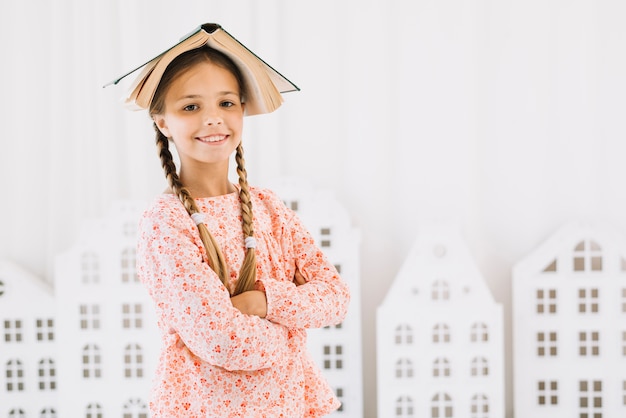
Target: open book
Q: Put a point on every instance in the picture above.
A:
(264, 84)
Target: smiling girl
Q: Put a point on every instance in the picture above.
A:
(235, 277)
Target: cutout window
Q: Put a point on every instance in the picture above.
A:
(47, 375)
(333, 357)
(129, 273)
(441, 367)
(92, 362)
(440, 290)
(480, 367)
(404, 407)
(90, 268)
(479, 333)
(93, 410)
(12, 330)
(404, 369)
(133, 361)
(590, 399)
(45, 329)
(480, 406)
(547, 392)
(441, 334)
(588, 301)
(587, 256)
(441, 406)
(404, 335)
(14, 376)
(589, 343)
(89, 316)
(547, 344)
(546, 301)
(135, 408)
(132, 316)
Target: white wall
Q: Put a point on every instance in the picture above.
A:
(504, 115)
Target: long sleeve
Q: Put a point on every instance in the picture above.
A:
(190, 298)
(323, 300)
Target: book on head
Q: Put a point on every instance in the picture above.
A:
(264, 84)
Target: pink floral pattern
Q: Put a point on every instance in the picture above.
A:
(231, 364)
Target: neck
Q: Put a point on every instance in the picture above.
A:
(207, 183)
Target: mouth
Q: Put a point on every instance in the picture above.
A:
(212, 139)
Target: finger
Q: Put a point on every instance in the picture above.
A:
(299, 278)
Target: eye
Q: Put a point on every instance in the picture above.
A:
(190, 108)
(227, 103)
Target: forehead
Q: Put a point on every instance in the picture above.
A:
(205, 76)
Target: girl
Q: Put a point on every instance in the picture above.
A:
(235, 277)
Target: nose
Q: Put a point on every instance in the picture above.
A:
(212, 117)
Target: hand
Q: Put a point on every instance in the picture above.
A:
(252, 302)
(299, 279)
(179, 341)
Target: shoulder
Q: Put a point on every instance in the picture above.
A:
(269, 200)
(164, 209)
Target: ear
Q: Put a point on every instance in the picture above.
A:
(162, 125)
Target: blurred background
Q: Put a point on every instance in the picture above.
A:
(505, 117)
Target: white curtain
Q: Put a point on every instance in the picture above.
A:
(504, 115)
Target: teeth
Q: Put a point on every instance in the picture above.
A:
(213, 138)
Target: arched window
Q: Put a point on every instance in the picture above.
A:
(441, 334)
(129, 273)
(440, 290)
(404, 369)
(47, 375)
(404, 335)
(479, 333)
(91, 362)
(480, 366)
(587, 256)
(90, 268)
(93, 410)
(404, 407)
(441, 406)
(14, 376)
(135, 408)
(480, 406)
(441, 367)
(133, 361)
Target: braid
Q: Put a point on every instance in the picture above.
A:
(247, 274)
(214, 255)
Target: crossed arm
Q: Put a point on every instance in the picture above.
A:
(254, 302)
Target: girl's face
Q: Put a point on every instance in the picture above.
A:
(203, 115)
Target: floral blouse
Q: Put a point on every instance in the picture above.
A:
(232, 364)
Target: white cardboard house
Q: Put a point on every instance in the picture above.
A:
(336, 350)
(108, 342)
(440, 350)
(28, 345)
(569, 320)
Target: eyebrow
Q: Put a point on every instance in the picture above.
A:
(198, 96)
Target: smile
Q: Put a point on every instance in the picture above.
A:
(212, 138)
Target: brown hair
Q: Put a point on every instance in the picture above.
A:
(247, 274)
